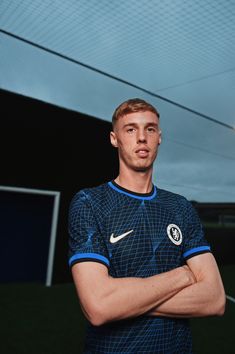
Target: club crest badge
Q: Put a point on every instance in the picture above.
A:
(174, 233)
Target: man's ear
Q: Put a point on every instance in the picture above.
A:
(160, 137)
(113, 139)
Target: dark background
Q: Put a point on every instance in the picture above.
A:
(46, 147)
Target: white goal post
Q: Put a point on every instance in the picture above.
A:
(54, 222)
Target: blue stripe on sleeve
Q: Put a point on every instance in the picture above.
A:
(196, 250)
(85, 256)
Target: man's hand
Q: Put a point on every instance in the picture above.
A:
(189, 273)
(205, 297)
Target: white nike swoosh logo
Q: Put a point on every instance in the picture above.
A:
(118, 238)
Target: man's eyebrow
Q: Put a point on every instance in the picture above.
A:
(129, 124)
(152, 124)
(132, 124)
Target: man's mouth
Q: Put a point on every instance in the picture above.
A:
(142, 152)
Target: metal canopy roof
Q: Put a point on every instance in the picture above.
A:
(178, 54)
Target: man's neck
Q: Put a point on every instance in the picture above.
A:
(139, 182)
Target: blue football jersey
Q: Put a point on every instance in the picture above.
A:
(135, 235)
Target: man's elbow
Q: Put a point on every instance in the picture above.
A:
(221, 305)
(95, 314)
(218, 305)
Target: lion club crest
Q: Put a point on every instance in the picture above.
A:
(174, 233)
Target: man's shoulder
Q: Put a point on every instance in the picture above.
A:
(169, 197)
(91, 193)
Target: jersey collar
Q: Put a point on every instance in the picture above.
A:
(141, 196)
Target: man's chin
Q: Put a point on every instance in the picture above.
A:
(142, 168)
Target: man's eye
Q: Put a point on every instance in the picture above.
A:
(151, 130)
(130, 130)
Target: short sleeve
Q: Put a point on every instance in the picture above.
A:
(195, 241)
(85, 238)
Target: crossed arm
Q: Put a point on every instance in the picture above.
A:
(188, 291)
(205, 297)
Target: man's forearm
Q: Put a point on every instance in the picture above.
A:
(196, 300)
(135, 296)
(204, 298)
(119, 298)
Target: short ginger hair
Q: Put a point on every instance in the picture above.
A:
(131, 106)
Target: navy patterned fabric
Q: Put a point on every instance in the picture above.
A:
(135, 235)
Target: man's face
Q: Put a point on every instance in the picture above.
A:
(137, 136)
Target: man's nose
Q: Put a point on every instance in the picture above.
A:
(141, 137)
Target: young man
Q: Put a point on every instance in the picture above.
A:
(139, 259)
